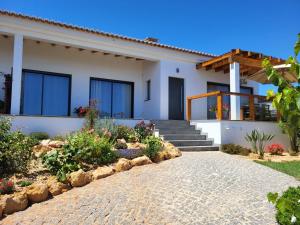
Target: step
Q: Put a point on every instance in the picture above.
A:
(176, 128)
(165, 126)
(170, 137)
(179, 131)
(179, 143)
(199, 148)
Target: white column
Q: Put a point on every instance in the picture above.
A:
(235, 104)
(17, 75)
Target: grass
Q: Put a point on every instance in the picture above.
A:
(291, 168)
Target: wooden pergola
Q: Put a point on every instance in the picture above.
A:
(250, 62)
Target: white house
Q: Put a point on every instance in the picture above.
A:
(57, 67)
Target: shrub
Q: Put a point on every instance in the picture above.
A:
(154, 145)
(39, 135)
(287, 206)
(15, 149)
(144, 130)
(60, 164)
(235, 149)
(6, 186)
(121, 146)
(275, 149)
(125, 132)
(258, 141)
(58, 138)
(106, 128)
(82, 148)
(24, 183)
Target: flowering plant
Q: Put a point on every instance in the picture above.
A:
(144, 130)
(6, 186)
(214, 108)
(275, 149)
(81, 111)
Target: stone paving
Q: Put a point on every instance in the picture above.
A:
(197, 188)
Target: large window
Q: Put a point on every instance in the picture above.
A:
(212, 101)
(45, 94)
(113, 98)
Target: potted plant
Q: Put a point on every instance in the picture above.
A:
(225, 110)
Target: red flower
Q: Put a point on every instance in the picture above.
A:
(275, 149)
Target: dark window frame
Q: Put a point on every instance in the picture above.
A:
(116, 81)
(228, 85)
(148, 90)
(69, 76)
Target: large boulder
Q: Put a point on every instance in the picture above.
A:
(56, 144)
(37, 192)
(14, 202)
(79, 178)
(1, 208)
(102, 172)
(169, 151)
(123, 164)
(55, 187)
(40, 150)
(45, 142)
(139, 161)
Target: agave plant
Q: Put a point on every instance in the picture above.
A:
(252, 138)
(258, 141)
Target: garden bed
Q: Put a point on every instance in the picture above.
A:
(40, 171)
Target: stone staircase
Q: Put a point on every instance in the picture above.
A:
(184, 136)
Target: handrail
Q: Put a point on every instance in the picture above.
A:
(219, 95)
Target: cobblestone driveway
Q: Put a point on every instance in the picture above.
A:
(197, 188)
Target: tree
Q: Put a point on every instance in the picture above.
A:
(287, 98)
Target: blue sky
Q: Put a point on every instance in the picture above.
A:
(214, 26)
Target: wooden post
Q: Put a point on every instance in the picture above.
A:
(251, 107)
(219, 107)
(188, 109)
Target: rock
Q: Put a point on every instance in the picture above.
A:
(45, 142)
(14, 202)
(56, 144)
(37, 192)
(160, 156)
(79, 178)
(40, 150)
(139, 161)
(55, 187)
(1, 209)
(102, 172)
(121, 141)
(174, 152)
(123, 164)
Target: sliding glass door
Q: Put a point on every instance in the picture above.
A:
(113, 98)
(45, 94)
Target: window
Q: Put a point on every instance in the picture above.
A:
(148, 90)
(45, 94)
(113, 98)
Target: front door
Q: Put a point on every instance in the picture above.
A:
(176, 98)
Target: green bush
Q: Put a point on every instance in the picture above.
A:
(60, 164)
(39, 135)
(15, 149)
(82, 148)
(153, 146)
(24, 183)
(144, 130)
(287, 206)
(58, 138)
(235, 149)
(125, 132)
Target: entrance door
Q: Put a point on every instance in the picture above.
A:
(176, 98)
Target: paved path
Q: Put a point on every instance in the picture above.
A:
(197, 188)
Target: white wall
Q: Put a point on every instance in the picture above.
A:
(81, 65)
(226, 132)
(151, 71)
(195, 83)
(57, 125)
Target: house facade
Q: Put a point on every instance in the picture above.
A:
(57, 67)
